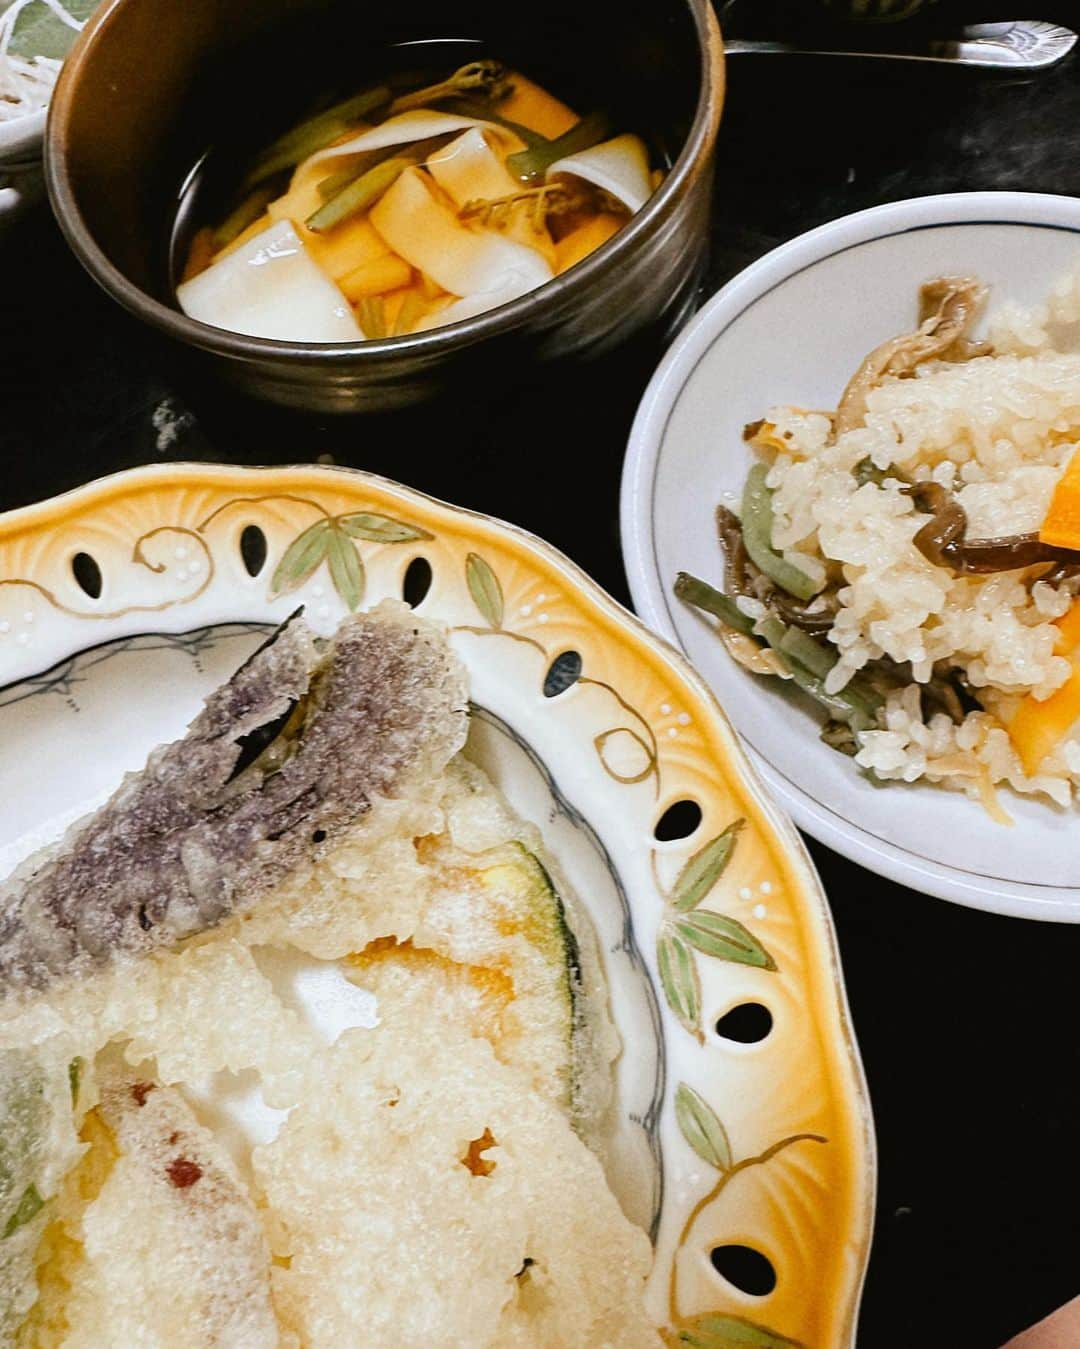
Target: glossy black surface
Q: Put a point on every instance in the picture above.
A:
(968, 1023)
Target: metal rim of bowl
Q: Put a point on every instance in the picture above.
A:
(692, 161)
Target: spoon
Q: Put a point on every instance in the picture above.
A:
(1024, 44)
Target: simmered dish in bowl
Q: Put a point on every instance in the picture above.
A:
(373, 329)
(301, 1041)
(407, 206)
(911, 559)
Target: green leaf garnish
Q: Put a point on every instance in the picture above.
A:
(705, 868)
(732, 1332)
(30, 1205)
(380, 528)
(714, 934)
(679, 979)
(485, 589)
(702, 1128)
(346, 569)
(301, 557)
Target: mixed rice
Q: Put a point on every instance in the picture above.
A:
(922, 614)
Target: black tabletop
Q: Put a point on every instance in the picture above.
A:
(967, 1022)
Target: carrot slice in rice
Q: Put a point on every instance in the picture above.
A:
(1061, 527)
(1039, 725)
(1069, 627)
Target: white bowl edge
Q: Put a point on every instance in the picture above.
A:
(1020, 899)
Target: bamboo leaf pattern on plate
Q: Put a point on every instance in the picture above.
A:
(380, 528)
(679, 979)
(701, 1128)
(330, 541)
(301, 557)
(686, 929)
(705, 868)
(731, 1332)
(346, 569)
(485, 589)
(715, 934)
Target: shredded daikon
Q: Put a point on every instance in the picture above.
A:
(26, 84)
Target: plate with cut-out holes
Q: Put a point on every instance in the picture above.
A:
(742, 1140)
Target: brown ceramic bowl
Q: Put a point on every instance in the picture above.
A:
(152, 84)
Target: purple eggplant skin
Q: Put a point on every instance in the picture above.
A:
(282, 761)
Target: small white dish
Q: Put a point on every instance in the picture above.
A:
(791, 328)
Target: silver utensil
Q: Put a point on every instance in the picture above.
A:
(1024, 44)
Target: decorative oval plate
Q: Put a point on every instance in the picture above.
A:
(743, 1120)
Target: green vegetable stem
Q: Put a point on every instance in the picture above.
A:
(314, 134)
(361, 194)
(806, 660)
(243, 215)
(483, 79)
(534, 161)
(757, 523)
(704, 596)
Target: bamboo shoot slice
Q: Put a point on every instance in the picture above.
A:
(471, 305)
(428, 235)
(579, 243)
(619, 167)
(530, 105)
(303, 197)
(353, 244)
(420, 124)
(468, 169)
(341, 250)
(272, 288)
(376, 277)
